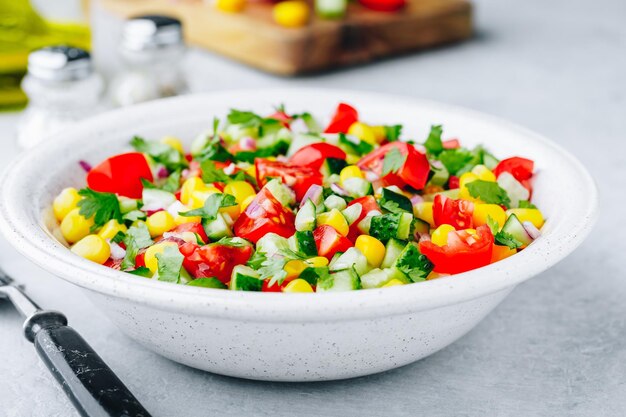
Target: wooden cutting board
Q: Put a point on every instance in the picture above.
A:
(363, 35)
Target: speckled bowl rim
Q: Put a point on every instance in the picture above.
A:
(23, 228)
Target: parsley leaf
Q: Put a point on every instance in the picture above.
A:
(119, 237)
(137, 237)
(394, 160)
(211, 206)
(207, 283)
(433, 143)
(243, 117)
(506, 239)
(142, 271)
(455, 159)
(526, 204)
(213, 148)
(274, 266)
(391, 206)
(162, 153)
(489, 192)
(493, 225)
(393, 132)
(210, 173)
(171, 183)
(256, 260)
(169, 263)
(101, 206)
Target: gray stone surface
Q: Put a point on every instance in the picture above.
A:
(556, 346)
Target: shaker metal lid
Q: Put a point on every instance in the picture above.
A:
(151, 32)
(60, 63)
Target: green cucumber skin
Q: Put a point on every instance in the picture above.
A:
(393, 249)
(306, 243)
(402, 201)
(516, 229)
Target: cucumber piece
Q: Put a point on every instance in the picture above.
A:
(305, 243)
(404, 226)
(207, 283)
(453, 194)
(332, 166)
(514, 189)
(516, 229)
(245, 278)
(233, 133)
(313, 275)
(281, 192)
(271, 244)
(335, 257)
(352, 213)
(392, 225)
(490, 161)
(155, 199)
(346, 280)
(440, 176)
(393, 201)
(305, 218)
(127, 204)
(331, 9)
(357, 187)
(218, 228)
(365, 224)
(420, 226)
(352, 258)
(376, 278)
(335, 202)
(352, 144)
(393, 249)
(413, 264)
(301, 140)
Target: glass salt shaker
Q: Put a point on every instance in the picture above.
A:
(152, 48)
(62, 88)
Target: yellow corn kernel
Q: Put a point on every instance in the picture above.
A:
(232, 211)
(483, 211)
(230, 6)
(66, 201)
(471, 231)
(245, 203)
(291, 13)
(335, 219)
(528, 215)
(198, 197)
(379, 133)
(159, 223)
(240, 190)
(501, 252)
(352, 159)
(295, 267)
(363, 132)
(189, 186)
(74, 226)
(174, 143)
(317, 261)
(251, 170)
(392, 283)
(424, 211)
(93, 247)
(110, 229)
(351, 171)
(372, 248)
(483, 173)
(150, 258)
(298, 285)
(440, 235)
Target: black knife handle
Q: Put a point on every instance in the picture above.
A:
(90, 384)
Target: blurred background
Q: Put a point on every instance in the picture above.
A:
(556, 347)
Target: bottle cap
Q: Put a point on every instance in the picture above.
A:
(151, 32)
(60, 63)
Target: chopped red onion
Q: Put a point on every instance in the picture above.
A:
(247, 143)
(337, 189)
(371, 176)
(162, 172)
(314, 193)
(416, 199)
(117, 252)
(531, 230)
(85, 165)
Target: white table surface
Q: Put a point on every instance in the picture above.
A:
(556, 346)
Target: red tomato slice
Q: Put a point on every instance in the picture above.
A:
(282, 117)
(414, 172)
(457, 213)
(121, 174)
(193, 228)
(299, 178)
(216, 260)
(368, 203)
(313, 155)
(344, 116)
(383, 5)
(463, 252)
(265, 214)
(520, 168)
(329, 241)
(451, 144)
(453, 182)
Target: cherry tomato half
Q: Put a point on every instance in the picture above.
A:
(520, 168)
(344, 117)
(215, 260)
(299, 178)
(264, 215)
(313, 155)
(457, 213)
(121, 174)
(329, 241)
(414, 171)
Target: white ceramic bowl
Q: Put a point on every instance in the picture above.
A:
(293, 337)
